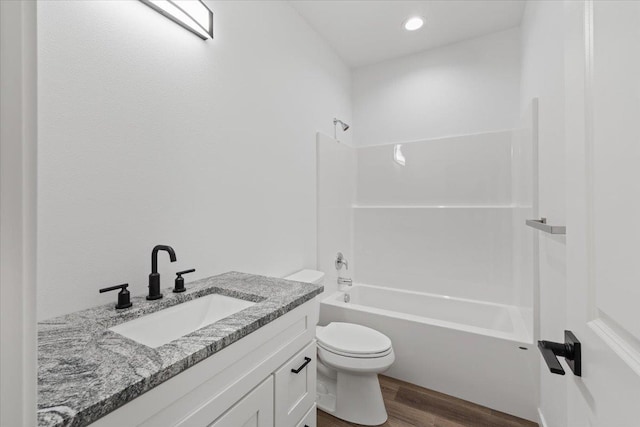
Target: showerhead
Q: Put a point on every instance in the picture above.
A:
(343, 125)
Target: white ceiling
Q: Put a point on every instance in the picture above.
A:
(367, 31)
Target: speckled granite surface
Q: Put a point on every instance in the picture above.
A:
(86, 371)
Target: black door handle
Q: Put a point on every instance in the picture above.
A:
(549, 351)
(306, 362)
(570, 350)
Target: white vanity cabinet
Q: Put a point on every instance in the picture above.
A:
(261, 380)
(254, 410)
(295, 387)
(309, 419)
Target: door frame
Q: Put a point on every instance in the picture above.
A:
(18, 185)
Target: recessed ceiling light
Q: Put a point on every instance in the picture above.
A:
(413, 23)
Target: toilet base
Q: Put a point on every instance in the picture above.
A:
(351, 397)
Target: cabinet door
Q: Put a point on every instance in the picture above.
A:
(309, 420)
(295, 387)
(254, 410)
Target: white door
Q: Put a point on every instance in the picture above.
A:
(603, 210)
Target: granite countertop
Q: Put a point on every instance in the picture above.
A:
(86, 371)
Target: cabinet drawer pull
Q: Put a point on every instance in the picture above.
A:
(306, 362)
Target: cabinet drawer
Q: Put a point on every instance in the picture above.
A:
(254, 410)
(295, 387)
(309, 420)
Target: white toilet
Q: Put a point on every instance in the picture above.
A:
(350, 357)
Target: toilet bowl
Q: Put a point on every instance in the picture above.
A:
(350, 357)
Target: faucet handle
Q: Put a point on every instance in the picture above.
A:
(340, 261)
(124, 300)
(179, 284)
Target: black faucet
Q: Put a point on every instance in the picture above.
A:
(154, 277)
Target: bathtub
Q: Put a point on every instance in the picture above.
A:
(477, 351)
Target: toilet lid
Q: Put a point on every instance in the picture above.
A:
(349, 338)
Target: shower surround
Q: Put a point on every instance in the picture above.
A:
(438, 220)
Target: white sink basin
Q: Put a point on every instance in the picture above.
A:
(164, 326)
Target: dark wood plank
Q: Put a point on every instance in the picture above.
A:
(389, 390)
(409, 405)
(326, 420)
(432, 394)
(519, 422)
(445, 409)
(404, 416)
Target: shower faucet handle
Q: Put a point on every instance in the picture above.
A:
(340, 261)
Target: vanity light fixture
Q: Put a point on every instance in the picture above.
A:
(192, 15)
(413, 23)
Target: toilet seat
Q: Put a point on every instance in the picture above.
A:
(355, 355)
(351, 340)
(356, 365)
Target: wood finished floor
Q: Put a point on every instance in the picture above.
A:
(410, 405)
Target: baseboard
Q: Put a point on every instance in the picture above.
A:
(541, 420)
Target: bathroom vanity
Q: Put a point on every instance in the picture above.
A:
(254, 367)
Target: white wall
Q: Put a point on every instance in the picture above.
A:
(336, 169)
(459, 171)
(524, 193)
(543, 77)
(150, 135)
(442, 223)
(458, 252)
(464, 88)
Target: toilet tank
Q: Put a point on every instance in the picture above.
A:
(307, 276)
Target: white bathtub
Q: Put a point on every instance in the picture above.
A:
(477, 351)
